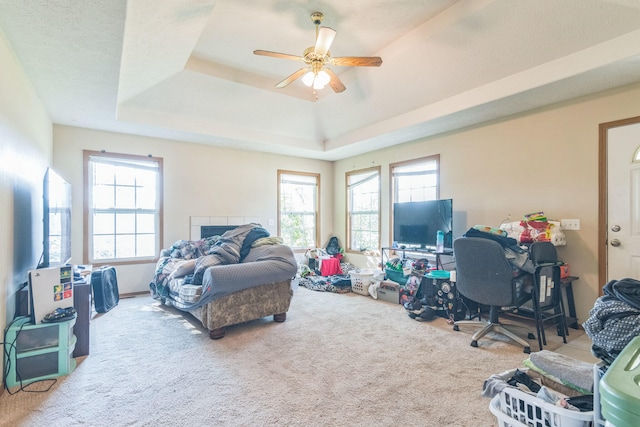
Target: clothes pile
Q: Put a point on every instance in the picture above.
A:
(614, 319)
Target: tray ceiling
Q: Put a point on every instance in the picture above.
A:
(185, 70)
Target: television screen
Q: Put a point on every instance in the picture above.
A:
(56, 220)
(417, 223)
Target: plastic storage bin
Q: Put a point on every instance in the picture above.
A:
(620, 388)
(389, 291)
(515, 408)
(397, 276)
(361, 280)
(598, 372)
(37, 352)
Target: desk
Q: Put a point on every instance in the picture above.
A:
(572, 319)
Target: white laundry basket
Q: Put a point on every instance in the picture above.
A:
(361, 280)
(515, 408)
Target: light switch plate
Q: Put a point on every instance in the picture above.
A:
(570, 224)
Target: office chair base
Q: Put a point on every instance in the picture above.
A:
(493, 327)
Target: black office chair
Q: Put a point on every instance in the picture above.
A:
(484, 275)
(547, 299)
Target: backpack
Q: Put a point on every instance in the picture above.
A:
(333, 247)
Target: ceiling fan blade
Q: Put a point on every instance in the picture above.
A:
(278, 55)
(335, 82)
(292, 77)
(324, 40)
(357, 61)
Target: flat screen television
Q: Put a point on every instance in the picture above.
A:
(56, 220)
(417, 223)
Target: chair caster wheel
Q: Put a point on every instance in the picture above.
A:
(531, 336)
(474, 343)
(456, 328)
(527, 350)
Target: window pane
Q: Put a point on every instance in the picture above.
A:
(125, 223)
(298, 230)
(125, 197)
(146, 223)
(365, 231)
(146, 197)
(103, 197)
(146, 245)
(103, 247)
(103, 223)
(126, 176)
(416, 182)
(104, 174)
(125, 245)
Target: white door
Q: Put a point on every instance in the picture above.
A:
(623, 202)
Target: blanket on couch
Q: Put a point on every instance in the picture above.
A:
(230, 248)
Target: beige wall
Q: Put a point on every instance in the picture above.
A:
(25, 152)
(199, 180)
(543, 161)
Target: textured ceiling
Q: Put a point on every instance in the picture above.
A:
(184, 69)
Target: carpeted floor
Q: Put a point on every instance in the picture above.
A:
(338, 360)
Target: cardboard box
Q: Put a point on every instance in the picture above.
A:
(389, 291)
(564, 271)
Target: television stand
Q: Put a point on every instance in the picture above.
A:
(414, 253)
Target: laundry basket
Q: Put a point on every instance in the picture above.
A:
(361, 280)
(515, 408)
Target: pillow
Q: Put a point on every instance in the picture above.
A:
(272, 240)
(184, 268)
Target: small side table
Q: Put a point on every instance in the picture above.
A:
(82, 304)
(566, 282)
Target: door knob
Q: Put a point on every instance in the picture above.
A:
(615, 243)
(615, 228)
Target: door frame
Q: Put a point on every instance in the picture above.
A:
(603, 194)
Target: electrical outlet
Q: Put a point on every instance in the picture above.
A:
(570, 224)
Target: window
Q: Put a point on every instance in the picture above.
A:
(123, 208)
(363, 209)
(416, 181)
(298, 216)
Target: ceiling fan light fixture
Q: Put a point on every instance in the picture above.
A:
(317, 56)
(316, 80)
(322, 78)
(308, 78)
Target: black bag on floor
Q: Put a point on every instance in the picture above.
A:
(104, 283)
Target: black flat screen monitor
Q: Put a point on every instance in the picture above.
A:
(56, 220)
(417, 223)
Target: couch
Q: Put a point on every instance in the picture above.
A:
(257, 286)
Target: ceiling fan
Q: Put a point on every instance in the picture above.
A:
(316, 74)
